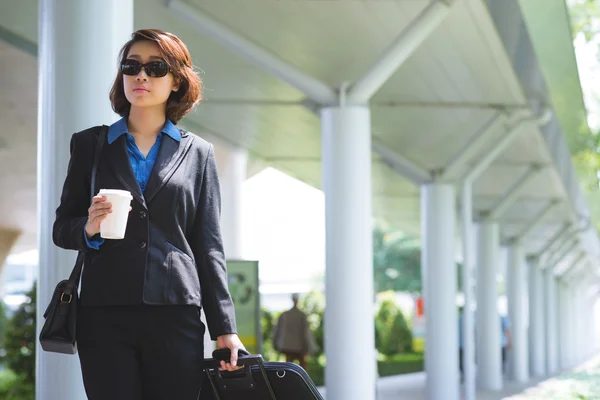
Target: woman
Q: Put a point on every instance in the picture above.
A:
(139, 333)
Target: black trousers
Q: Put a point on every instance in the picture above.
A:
(141, 352)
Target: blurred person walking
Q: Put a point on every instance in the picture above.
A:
(292, 335)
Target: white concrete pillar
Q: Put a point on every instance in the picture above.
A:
(232, 164)
(517, 289)
(585, 316)
(489, 350)
(581, 316)
(564, 326)
(571, 327)
(537, 320)
(78, 45)
(577, 326)
(551, 312)
(438, 226)
(468, 288)
(350, 338)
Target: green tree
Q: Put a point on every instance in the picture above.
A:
(585, 17)
(396, 261)
(3, 326)
(20, 340)
(585, 20)
(392, 333)
(266, 324)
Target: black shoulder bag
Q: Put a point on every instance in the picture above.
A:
(58, 332)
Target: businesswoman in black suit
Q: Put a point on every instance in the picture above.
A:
(139, 332)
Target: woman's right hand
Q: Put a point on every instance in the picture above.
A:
(97, 212)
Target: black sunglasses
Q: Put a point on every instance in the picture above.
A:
(154, 69)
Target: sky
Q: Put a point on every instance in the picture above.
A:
(284, 228)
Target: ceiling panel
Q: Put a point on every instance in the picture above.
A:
(451, 60)
(319, 37)
(415, 113)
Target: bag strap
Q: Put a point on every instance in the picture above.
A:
(76, 273)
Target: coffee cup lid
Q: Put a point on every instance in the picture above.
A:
(115, 192)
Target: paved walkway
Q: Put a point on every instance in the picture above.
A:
(583, 381)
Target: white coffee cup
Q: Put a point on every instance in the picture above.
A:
(114, 225)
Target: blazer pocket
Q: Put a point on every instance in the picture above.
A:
(184, 285)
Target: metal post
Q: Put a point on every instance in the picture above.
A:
(438, 222)
(489, 363)
(232, 164)
(468, 275)
(346, 154)
(537, 320)
(78, 46)
(552, 342)
(517, 306)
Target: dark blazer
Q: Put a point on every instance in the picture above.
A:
(172, 253)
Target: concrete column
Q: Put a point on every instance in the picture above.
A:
(576, 335)
(581, 327)
(232, 164)
(537, 320)
(517, 312)
(571, 310)
(350, 338)
(438, 226)
(489, 360)
(551, 313)
(564, 316)
(468, 288)
(78, 47)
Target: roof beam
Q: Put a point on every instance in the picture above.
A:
(472, 147)
(583, 276)
(314, 89)
(577, 265)
(568, 239)
(513, 194)
(450, 105)
(488, 158)
(572, 244)
(537, 220)
(558, 236)
(399, 51)
(398, 163)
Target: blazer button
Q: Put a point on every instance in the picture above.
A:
(142, 245)
(143, 214)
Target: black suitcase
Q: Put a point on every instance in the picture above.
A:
(256, 381)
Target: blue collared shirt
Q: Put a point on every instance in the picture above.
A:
(142, 166)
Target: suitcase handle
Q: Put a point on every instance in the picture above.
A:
(244, 358)
(225, 379)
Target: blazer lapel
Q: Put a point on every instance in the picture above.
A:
(120, 166)
(169, 157)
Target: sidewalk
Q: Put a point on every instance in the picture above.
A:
(583, 380)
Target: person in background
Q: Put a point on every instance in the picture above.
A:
(505, 340)
(292, 335)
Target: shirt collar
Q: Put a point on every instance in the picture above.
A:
(120, 127)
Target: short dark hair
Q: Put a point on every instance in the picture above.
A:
(176, 54)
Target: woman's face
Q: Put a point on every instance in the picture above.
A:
(143, 90)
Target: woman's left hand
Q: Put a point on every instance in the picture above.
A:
(234, 344)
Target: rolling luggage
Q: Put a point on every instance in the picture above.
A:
(258, 380)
